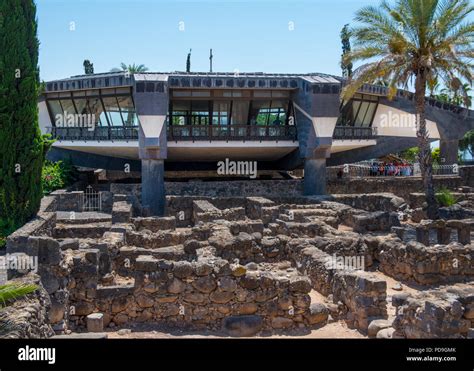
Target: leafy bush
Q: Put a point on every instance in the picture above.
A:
(57, 175)
(445, 197)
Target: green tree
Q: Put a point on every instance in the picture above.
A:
(414, 40)
(22, 146)
(88, 67)
(346, 66)
(467, 143)
(410, 154)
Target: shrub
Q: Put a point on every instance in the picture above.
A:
(445, 197)
(57, 175)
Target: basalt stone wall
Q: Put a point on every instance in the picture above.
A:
(444, 313)
(467, 175)
(28, 316)
(426, 265)
(399, 186)
(201, 294)
(42, 224)
(362, 293)
(416, 200)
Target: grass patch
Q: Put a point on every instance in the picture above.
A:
(445, 197)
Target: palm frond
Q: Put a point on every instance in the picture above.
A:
(11, 291)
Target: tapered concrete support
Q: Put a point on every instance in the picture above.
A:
(449, 151)
(315, 176)
(153, 187)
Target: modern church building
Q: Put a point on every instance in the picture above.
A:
(156, 121)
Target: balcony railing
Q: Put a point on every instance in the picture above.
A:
(99, 133)
(354, 133)
(231, 132)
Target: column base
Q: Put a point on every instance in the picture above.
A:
(153, 187)
(315, 176)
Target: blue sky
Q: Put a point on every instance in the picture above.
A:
(248, 36)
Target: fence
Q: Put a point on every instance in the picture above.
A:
(91, 200)
(363, 170)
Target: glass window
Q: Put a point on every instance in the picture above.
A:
(240, 112)
(200, 112)
(369, 115)
(277, 113)
(68, 106)
(361, 114)
(220, 113)
(128, 111)
(55, 110)
(112, 112)
(259, 112)
(357, 113)
(180, 112)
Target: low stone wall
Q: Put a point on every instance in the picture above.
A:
(200, 295)
(426, 265)
(443, 313)
(27, 317)
(399, 186)
(272, 189)
(467, 175)
(42, 224)
(363, 294)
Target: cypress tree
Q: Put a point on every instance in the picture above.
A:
(188, 61)
(22, 148)
(346, 49)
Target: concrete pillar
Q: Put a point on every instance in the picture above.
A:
(449, 151)
(153, 186)
(315, 176)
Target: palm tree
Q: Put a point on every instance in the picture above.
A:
(8, 293)
(414, 40)
(11, 291)
(131, 68)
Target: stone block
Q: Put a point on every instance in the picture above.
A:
(95, 322)
(243, 326)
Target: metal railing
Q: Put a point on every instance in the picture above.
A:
(97, 133)
(365, 170)
(231, 132)
(354, 133)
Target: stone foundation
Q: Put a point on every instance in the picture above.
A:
(244, 266)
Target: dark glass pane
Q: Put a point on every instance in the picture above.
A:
(369, 115)
(55, 110)
(128, 111)
(361, 114)
(240, 112)
(220, 114)
(112, 111)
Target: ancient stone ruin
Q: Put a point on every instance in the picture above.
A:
(246, 266)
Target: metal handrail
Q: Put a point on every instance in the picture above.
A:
(231, 132)
(97, 133)
(354, 132)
